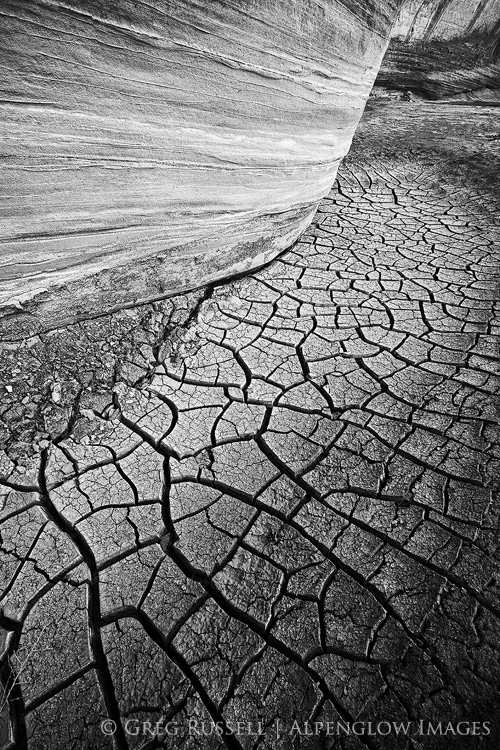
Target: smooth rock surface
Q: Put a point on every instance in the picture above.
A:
(154, 147)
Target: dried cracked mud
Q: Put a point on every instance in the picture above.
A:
(276, 500)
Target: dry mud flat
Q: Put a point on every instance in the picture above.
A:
(275, 501)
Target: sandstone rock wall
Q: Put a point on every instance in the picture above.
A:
(154, 147)
(446, 49)
(428, 20)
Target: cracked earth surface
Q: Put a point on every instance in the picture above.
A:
(276, 499)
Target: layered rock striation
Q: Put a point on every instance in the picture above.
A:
(445, 49)
(154, 147)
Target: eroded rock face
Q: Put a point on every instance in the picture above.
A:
(155, 147)
(446, 48)
(440, 20)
